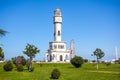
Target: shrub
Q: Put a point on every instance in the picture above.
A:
(24, 61)
(108, 63)
(77, 61)
(85, 60)
(55, 74)
(19, 60)
(93, 61)
(20, 68)
(8, 66)
(31, 69)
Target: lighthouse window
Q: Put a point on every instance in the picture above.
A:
(55, 46)
(62, 46)
(59, 46)
(50, 46)
(58, 33)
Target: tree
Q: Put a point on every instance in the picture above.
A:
(30, 51)
(2, 32)
(77, 61)
(1, 54)
(99, 54)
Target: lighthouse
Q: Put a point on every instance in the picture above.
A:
(57, 51)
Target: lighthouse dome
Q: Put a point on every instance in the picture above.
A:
(57, 12)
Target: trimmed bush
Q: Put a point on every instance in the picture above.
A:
(8, 66)
(20, 68)
(55, 74)
(77, 61)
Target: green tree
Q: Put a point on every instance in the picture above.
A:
(2, 32)
(30, 51)
(99, 54)
(1, 54)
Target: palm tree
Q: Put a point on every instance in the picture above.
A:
(2, 32)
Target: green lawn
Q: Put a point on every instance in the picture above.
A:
(68, 72)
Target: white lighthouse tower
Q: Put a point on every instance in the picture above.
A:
(57, 25)
(57, 51)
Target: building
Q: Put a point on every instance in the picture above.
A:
(57, 51)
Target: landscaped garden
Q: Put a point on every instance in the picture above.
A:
(42, 71)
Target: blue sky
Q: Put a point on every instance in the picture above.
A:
(91, 23)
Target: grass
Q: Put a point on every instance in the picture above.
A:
(68, 72)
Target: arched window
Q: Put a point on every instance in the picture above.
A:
(58, 33)
(62, 46)
(50, 46)
(50, 57)
(55, 46)
(53, 56)
(67, 57)
(61, 58)
(59, 46)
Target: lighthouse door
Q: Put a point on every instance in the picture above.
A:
(61, 58)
